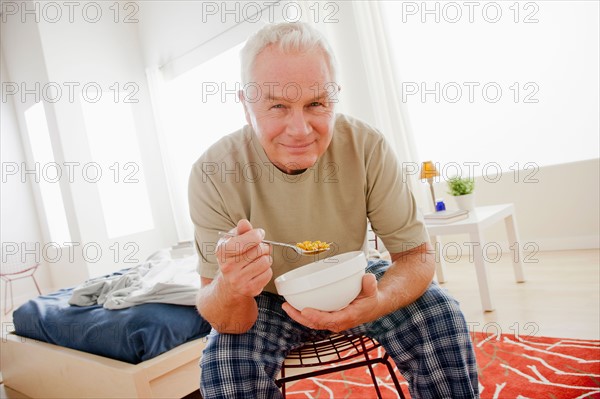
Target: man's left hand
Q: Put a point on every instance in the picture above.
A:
(362, 310)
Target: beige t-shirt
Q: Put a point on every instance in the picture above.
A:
(356, 179)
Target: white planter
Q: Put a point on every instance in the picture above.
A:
(466, 202)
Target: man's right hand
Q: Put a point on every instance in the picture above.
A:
(227, 301)
(245, 261)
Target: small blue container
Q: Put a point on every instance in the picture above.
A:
(440, 206)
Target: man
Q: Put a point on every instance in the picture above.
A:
(299, 171)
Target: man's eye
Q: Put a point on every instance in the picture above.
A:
(316, 104)
(277, 106)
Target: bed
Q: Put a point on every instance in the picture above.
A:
(150, 350)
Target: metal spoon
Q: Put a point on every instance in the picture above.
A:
(281, 244)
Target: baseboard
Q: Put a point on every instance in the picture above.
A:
(458, 245)
(570, 243)
(556, 244)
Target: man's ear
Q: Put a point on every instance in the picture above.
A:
(245, 105)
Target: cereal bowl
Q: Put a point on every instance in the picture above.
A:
(329, 284)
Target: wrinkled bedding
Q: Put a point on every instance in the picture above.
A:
(161, 279)
(132, 315)
(132, 335)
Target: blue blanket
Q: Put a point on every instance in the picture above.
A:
(132, 335)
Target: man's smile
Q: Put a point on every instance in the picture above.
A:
(297, 148)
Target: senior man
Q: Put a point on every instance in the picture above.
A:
(298, 171)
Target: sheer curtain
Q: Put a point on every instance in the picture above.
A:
(390, 114)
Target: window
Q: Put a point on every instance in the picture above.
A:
(117, 165)
(510, 84)
(196, 109)
(48, 173)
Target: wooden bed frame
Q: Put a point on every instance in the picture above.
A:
(40, 370)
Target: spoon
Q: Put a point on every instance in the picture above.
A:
(281, 244)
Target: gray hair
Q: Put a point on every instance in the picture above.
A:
(295, 37)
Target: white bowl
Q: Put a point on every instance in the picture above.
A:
(329, 284)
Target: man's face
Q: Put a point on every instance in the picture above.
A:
(293, 112)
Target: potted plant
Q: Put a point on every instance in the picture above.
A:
(462, 191)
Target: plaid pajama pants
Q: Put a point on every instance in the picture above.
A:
(428, 340)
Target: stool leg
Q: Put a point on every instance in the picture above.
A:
(282, 377)
(12, 304)
(368, 359)
(374, 379)
(386, 361)
(5, 297)
(36, 284)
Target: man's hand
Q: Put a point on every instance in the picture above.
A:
(404, 281)
(359, 311)
(227, 301)
(245, 261)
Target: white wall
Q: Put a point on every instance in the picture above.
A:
(170, 30)
(20, 222)
(178, 35)
(556, 206)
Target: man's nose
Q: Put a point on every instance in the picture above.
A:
(298, 123)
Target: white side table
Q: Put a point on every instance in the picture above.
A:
(478, 220)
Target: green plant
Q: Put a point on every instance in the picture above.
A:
(460, 186)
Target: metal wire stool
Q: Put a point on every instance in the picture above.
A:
(14, 269)
(336, 348)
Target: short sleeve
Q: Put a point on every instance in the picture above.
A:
(391, 207)
(209, 216)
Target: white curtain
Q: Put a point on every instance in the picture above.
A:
(390, 114)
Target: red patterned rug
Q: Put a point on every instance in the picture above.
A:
(509, 367)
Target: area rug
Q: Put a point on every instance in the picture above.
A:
(516, 367)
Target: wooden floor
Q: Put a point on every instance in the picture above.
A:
(560, 298)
